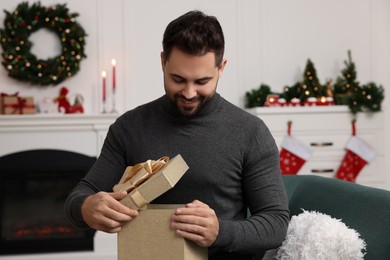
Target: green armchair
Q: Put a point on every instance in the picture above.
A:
(365, 209)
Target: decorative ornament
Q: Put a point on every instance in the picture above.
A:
(18, 60)
(328, 87)
(15, 104)
(358, 154)
(63, 102)
(77, 107)
(311, 84)
(293, 154)
(65, 107)
(272, 101)
(47, 106)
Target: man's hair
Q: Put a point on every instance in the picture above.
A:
(195, 33)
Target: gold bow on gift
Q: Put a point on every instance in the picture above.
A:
(135, 175)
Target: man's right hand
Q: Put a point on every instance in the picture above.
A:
(103, 211)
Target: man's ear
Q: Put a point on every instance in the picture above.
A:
(222, 66)
(162, 57)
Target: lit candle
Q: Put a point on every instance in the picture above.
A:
(113, 62)
(104, 84)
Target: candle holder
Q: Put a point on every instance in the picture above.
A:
(113, 110)
(104, 91)
(104, 111)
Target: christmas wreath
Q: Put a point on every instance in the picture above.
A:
(23, 65)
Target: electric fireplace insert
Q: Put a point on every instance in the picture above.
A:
(33, 187)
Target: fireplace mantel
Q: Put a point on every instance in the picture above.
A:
(74, 132)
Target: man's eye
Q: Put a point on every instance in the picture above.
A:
(178, 80)
(202, 82)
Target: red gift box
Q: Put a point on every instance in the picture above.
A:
(13, 104)
(272, 101)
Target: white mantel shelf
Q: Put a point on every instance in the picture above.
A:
(74, 132)
(298, 110)
(37, 121)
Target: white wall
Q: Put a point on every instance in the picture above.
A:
(266, 42)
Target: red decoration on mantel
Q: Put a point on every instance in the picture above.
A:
(62, 100)
(77, 107)
(14, 104)
(321, 101)
(274, 100)
(64, 105)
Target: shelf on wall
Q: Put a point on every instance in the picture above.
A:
(7, 121)
(298, 110)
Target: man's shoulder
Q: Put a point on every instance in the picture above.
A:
(238, 113)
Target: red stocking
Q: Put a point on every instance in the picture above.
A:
(293, 154)
(358, 155)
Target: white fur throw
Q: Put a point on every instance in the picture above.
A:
(313, 235)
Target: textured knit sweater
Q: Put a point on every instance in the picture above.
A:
(233, 166)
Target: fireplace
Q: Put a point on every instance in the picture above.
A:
(33, 187)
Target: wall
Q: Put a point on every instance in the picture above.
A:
(266, 42)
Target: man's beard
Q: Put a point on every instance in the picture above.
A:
(188, 112)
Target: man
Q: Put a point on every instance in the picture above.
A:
(232, 157)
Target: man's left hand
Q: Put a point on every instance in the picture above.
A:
(196, 222)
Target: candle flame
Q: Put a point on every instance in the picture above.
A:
(113, 62)
(104, 74)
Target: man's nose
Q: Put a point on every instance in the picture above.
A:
(189, 91)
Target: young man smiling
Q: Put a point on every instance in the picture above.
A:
(190, 80)
(233, 159)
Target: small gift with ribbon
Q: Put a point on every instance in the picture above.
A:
(148, 180)
(14, 104)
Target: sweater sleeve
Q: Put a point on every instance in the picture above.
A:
(265, 196)
(103, 175)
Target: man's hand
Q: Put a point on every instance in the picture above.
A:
(104, 212)
(196, 222)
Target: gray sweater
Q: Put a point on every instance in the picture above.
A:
(233, 165)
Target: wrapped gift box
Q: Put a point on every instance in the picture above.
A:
(145, 186)
(11, 105)
(149, 236)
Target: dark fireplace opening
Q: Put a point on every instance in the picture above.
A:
(33, 187)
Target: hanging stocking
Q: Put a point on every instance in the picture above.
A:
(358, 155)
(293, 153)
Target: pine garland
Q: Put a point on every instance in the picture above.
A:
(18, 60)
(346, 91)
(257, 97)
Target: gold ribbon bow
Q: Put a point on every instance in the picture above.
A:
(135, 175)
